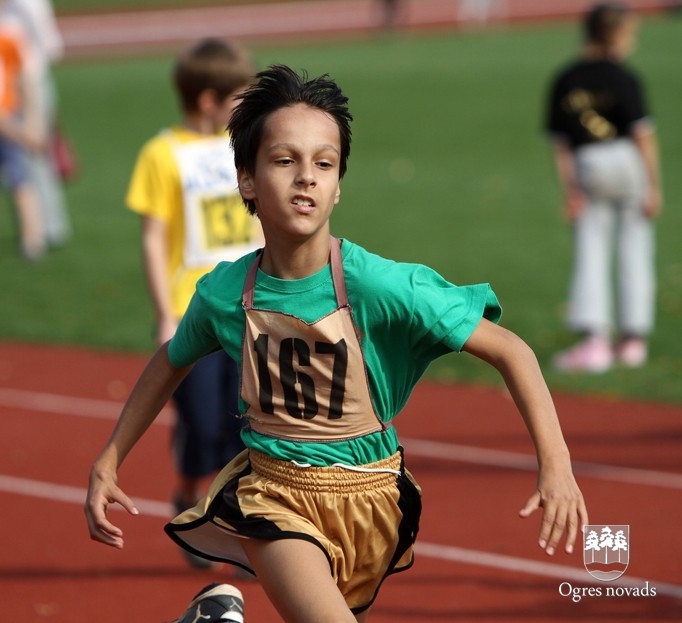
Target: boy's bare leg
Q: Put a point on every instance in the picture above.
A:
(296, 577)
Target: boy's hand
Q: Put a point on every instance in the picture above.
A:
(574, 204)
(653, 202)
(563, 507)
(103, 491)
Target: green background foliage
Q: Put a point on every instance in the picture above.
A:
(449, 168)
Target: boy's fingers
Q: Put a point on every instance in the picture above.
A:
(568, 518)
(562, 515)
(572, 531)
(531, 506)
(560, 523)
(549, 535)
(108, 534)
(578, 519)
(548, 529)
(584, 520)
(122, 499)
(101, 529)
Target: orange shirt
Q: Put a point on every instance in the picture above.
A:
(11, 64)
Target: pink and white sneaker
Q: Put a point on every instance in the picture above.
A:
(594, 354)
(632, 352)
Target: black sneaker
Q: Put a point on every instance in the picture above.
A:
(215, 603)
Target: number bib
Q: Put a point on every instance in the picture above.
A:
(305, 381)
(217, 226)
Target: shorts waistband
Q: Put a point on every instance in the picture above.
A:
(335, 479)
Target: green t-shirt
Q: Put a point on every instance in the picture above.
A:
(407, 315)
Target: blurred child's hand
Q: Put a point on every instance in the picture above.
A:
(34, 142)
(653, 202)
(574, 204)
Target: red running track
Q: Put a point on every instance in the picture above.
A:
(476, 560)
(125, 32)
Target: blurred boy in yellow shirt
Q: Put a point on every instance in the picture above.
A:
(184, 186)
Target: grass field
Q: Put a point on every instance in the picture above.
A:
(449, 168)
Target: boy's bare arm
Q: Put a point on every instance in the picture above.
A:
(557, 492)
(647, 144)
(155, 259)
(150, 394)
(17, 131)
(564, 162)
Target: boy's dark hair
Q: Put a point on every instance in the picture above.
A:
(211, 64)
(603, 20)
(280, 87)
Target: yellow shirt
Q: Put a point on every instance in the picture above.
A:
(188, 181)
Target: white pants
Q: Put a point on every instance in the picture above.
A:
(612, 176)
(45, 178)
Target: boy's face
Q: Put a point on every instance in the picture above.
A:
(624, 40)
(295, 185)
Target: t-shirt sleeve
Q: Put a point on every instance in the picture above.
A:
(411, 317)
(153, 181)
(195, 336)
(554, 121)
(448, 314)
(633, 101)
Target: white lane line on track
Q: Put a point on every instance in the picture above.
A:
(73, 495)
(67, 405)
(527, 462)
(109, 410)
(76, 495)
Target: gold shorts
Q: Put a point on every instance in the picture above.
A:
(364, 521)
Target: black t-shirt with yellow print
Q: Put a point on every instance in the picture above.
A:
(594, 101)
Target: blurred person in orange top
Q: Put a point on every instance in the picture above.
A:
(19, 131)
(47, 47)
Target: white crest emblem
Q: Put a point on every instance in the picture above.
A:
(606, 551)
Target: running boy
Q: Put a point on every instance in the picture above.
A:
(184, 187)
(331, 341)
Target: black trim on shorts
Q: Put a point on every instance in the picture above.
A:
(226, 507)
(410, 504)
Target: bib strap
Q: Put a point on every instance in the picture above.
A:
(337, 276)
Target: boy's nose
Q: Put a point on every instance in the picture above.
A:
(306, 176)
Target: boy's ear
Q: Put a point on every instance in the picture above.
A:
(245, 185)
(337, 196)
